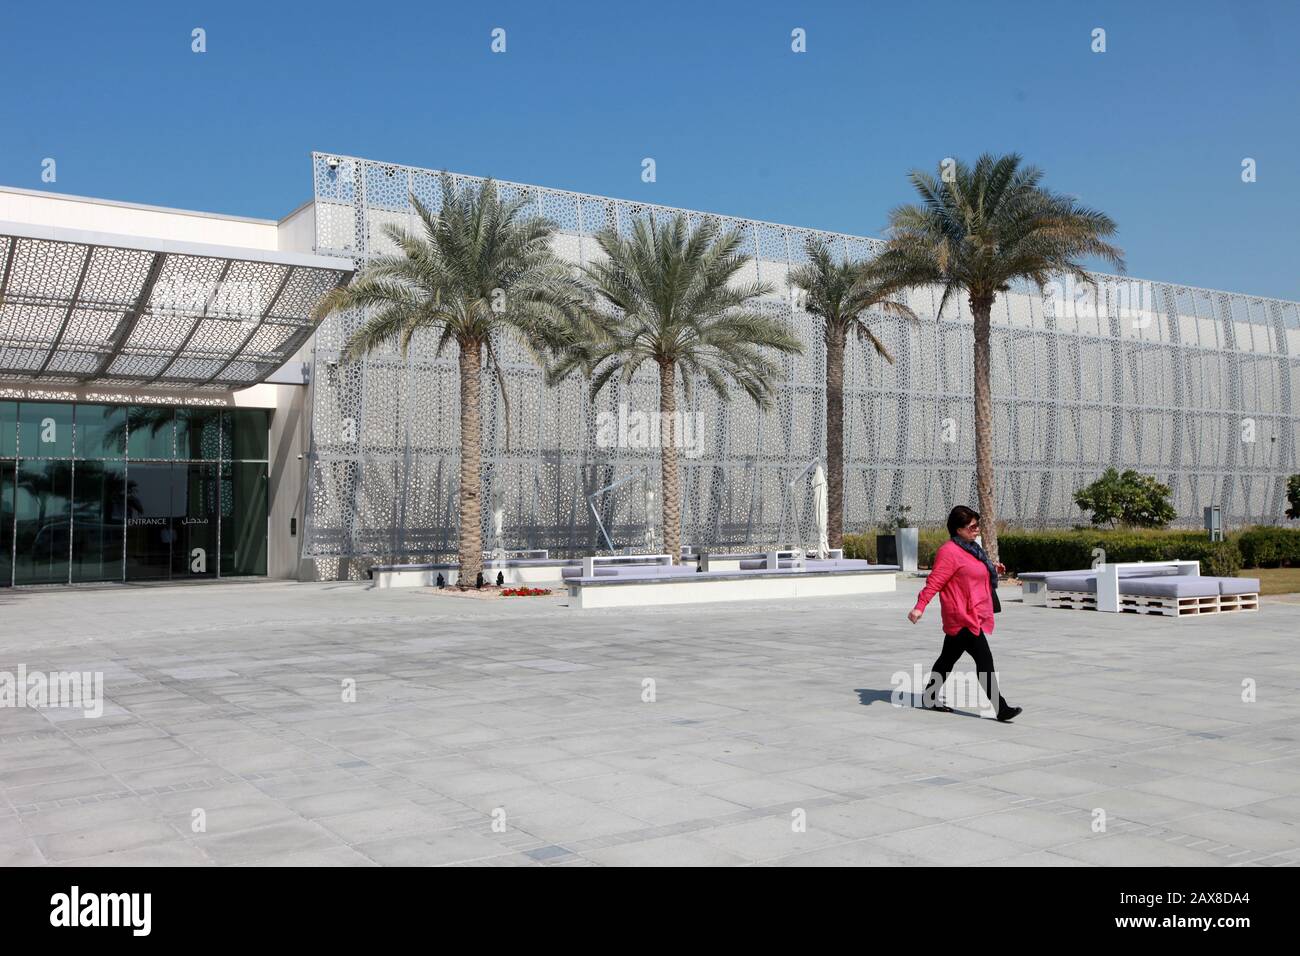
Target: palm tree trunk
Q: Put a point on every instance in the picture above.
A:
(835, 437)
(672, 491)
(981, 306)
(471, 453)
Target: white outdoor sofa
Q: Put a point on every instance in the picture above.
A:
(1168, 588)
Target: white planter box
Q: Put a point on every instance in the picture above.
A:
(907, 542)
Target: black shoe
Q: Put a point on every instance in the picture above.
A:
(937, 708)
(1008, 713)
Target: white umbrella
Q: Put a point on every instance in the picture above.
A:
(498, 526)
(649, 521)
(820, 513)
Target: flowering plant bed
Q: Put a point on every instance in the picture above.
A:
(524, 592)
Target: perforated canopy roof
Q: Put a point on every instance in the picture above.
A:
(79, 307)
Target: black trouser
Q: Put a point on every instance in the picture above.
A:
(977, 646)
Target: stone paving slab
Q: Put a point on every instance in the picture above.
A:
(334, 725)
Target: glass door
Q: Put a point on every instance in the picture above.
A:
(6, 523)
(194, 521)
(42, 529)
(98, 520)
(149, 529)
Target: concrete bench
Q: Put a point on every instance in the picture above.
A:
(752, 559)
(402, 575)
(755, 564)
(533, 572)
(630, 570)
(656, 586)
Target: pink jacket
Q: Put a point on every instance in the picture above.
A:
(962, 582)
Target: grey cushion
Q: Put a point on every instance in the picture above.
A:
(1238, 585)
(1078, 581)
(1054, 578)
(1167, 585)
(1140, 572)
(1051, 577)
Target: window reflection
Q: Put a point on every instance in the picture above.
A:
(41, 526)
(44, 430)
(100, 431)
(152, 432)
(99, 507)
(104, 492)
(6, 522)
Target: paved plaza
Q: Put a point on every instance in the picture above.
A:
(517, 732)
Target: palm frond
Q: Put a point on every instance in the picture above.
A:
(987, 226)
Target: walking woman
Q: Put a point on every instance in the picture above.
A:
(966, 582)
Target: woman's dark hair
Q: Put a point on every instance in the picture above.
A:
(960, 517)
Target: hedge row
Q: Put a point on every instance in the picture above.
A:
(1259, 547)
(1068, 550)
(862, 547)
(1264, 547)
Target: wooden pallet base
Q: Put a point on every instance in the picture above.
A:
(1188, 606)
(1161, 606)
(1072, 600)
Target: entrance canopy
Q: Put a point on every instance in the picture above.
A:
(82, 307)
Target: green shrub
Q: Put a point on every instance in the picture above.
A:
(1218, 558)
(862, 547)
(1265, 547)
(1129, 499)
(1070, 550)
(928, 542)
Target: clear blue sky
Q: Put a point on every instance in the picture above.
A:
(1153, 131)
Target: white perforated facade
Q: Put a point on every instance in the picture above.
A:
(1194, 386)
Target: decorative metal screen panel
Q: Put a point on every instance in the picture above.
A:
(107, 312)
(1193, 386)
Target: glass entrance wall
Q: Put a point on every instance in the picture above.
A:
(130, 492)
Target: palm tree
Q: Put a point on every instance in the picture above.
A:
(678, 303)
(840, 293)
(473, 271)
(977, 231)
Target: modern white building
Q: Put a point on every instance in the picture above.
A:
(1198, 387)
(152, 402)
(169, 408)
